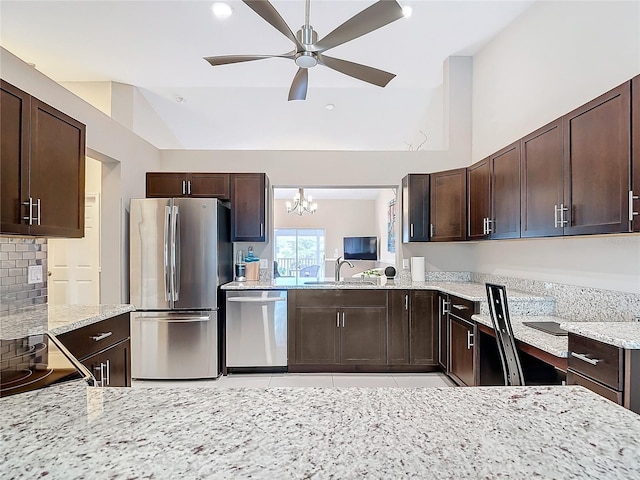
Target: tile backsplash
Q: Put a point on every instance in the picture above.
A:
(16, 254)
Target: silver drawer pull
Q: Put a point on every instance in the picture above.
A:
(584, 358)
(102, 336)
(460, 307)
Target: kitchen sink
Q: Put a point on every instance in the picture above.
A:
(341, 282)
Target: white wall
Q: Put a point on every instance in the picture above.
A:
(552, 59)
(126, 157)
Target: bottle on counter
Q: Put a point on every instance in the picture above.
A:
(241, 267)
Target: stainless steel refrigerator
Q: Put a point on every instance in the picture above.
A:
(180, 253)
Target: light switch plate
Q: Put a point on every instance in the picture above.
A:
(405, 263)
(264, 263)
(34, 274)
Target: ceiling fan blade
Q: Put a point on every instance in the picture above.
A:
(226, 59)
(356, 70)
(377, 15)
(271, 15)
(298, 90)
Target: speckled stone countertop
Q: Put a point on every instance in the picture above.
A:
(620, 334)
(381, 433)
(520, 302)
(555, 345)
(56, 319)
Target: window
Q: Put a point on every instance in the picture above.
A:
(299, 252)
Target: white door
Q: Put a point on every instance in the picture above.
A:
(74, 263)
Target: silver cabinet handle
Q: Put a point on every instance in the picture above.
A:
(261, 229)
(489, 227)
(469, 340)
(189, 187)
(584, 358)
(445, 304)
(102, 336)
(484, 226)
(432, 230)
(411, 230)
(556, 221)
(38, 208)
(563, 209)
(406, 301)
(338, 319)
(460, 307)
(184, 187)
(108, 368)
(29, 204)
(101, 370)
(342, 319)
(632, 197)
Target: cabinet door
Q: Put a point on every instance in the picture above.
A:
(14, 158)
(398, 333)
(478, 199)
(634, 214)
(317, 335)
(597, 151)
(443, 331)
(248, 204)
(415, 208)
(505, 193)
(112, 366)
(423, 329)
(363, 335)
(461, 365)
(209, 185)
(56, 172)
(449, 205)
(542, 182)
(166, 184)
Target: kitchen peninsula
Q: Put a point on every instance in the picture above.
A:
(198, 433)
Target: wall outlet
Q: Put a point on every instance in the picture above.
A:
(34, 274)
(264, 263)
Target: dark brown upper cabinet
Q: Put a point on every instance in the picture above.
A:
(42, 166)
(597, 154)
(478, 199)
(181, 184)
(248, 207)
(634, 195)
(505, 193)
(415, 208)
(449, 205)
(542, 182)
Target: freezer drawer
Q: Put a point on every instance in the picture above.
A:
(256, 328)
(174, 345)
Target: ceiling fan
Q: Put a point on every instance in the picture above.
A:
(309, 52)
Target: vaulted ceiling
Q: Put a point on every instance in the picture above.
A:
(158, 47)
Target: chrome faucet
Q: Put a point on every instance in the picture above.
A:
(339, 263)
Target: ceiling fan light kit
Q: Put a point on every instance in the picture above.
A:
(308, 51)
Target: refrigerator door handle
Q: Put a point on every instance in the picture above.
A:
(167, 271)
(177, 253)
(172, 249)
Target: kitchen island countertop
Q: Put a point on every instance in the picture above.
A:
(73, 431)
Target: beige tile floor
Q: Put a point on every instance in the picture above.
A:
(337, 380)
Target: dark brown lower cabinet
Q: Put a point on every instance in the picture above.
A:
(461, 353)
(112, 367)
(329, 328)
(398, 335)
(423, 346)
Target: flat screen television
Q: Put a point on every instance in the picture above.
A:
(360, 248)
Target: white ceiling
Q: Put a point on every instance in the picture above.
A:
(158, 46)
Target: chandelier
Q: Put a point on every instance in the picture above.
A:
(301, 205)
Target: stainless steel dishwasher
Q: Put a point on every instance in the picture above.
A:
(256, 331)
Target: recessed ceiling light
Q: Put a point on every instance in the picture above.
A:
(222, 10)
(407, 11)
(180, 99)
(330, 106)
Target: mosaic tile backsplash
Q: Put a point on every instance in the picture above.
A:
(16, 254)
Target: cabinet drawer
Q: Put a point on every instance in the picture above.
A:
(574, 378)
(462, 308)
(596, 360)
(96, 337)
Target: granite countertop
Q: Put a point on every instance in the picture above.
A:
(620, 334)
(563, 432)
(520, 302)
(553, 344)
(55, 319)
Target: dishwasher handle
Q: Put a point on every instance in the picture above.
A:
(256, 299)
